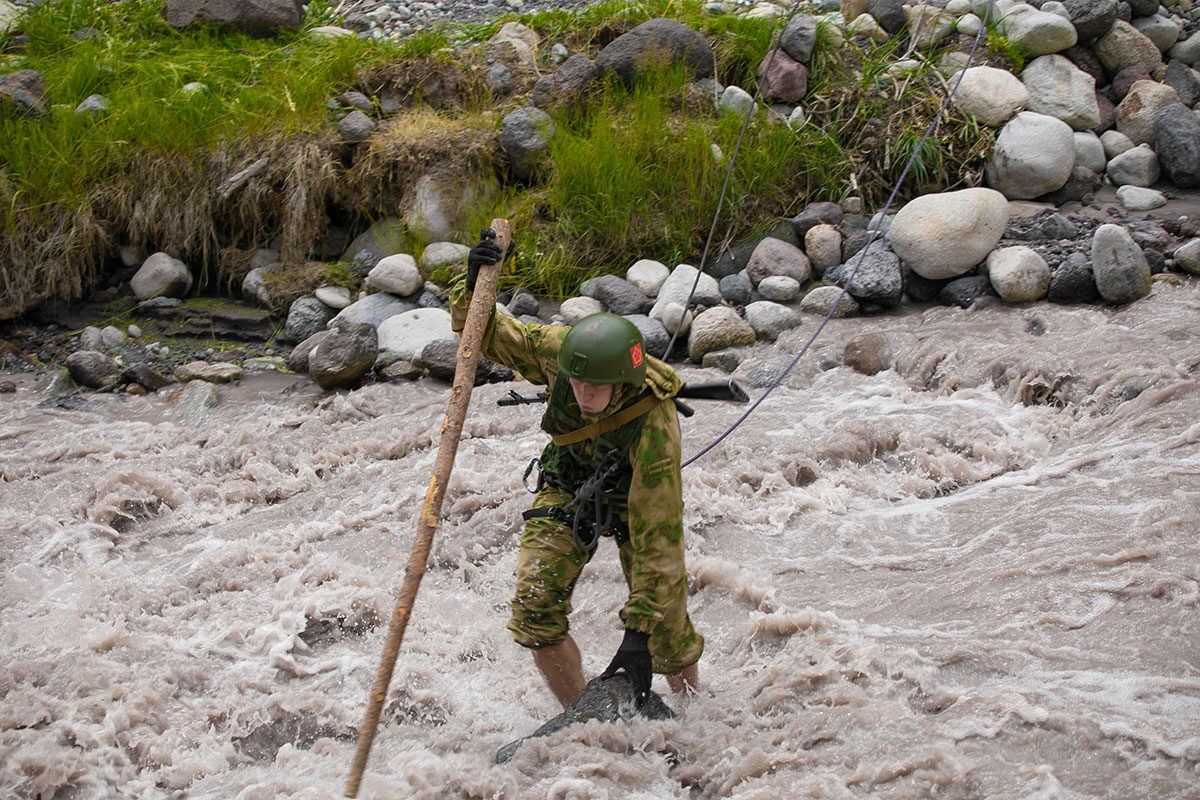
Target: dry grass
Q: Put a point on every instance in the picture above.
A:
(213, 209)
(385, 169)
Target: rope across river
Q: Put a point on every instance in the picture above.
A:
(873, 234)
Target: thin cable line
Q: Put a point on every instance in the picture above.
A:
(729, 175)
(862, 254)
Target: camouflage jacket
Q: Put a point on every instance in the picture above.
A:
(655, 505)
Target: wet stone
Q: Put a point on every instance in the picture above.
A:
(918, 288)
(1072, 282)
(867, 353)
(726, 360)
(736, 289)
(603, 699)
(262, 743)
(963, 292)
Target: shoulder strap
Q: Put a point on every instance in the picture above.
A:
(601, 426)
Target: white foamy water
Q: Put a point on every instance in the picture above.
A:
(975, 575)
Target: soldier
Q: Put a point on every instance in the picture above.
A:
(612, 469)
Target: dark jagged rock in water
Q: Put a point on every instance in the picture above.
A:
(605, 699)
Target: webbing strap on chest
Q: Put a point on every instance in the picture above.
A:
(607, 424)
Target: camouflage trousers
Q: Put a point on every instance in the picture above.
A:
(548, 567)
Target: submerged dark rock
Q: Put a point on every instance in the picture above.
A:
(605, 699)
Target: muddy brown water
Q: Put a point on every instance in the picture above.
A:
(975, 575)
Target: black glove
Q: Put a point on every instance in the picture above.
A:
(485, 253)
(633, 656)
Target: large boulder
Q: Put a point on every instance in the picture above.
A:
(716, 329)
(648, 275)
(823, 246)
(25, 92)
(1188, 50)
(356, 127)
(1073, 281)
(813, 214)
(657, 41)
(964, 291)
(889, 14)
(1037, 33)
(1124, 46)
(306, 316)
(405, 335)
(1091, 18)
(9, 13)
(1177, 143)
(771, 319)
(779, 288)
(568, 86)
(824, 300)
(993, 96)
(678, 286)
(515, 42)
(1121, 270)
(944, 235)
(1160, 30)
(868, 353)
(1089, 151)
(618, 295)
(776, 257)
(1018, 274)
(372, 310)
(782, 78)
(873, 279)
(1138, 166)
(92, 368)
(655, 337)
(344, 355)
(1184, 80)
(1034, 155)
(396, 274)
(1187, 256)
(524, 134)
(440, 201)
(929, 25)
(161, 276)
(799, 37)
(1059, 89)
(384, 237)
(1136, 113)
(1138, 198)
(736, 289)
(255, 17)
(212, 372)
(443, 254)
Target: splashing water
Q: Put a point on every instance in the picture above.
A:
(973, 575)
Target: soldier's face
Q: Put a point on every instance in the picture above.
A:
(592, 397)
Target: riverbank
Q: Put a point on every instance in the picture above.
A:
(40, 344)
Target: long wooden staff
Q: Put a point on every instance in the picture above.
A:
(482, 302)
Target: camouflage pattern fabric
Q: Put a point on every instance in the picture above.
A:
(652, 560)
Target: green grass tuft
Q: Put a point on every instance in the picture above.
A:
(632, 174)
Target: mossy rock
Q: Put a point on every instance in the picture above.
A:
(219, 318)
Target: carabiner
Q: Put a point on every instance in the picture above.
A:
(541, 476)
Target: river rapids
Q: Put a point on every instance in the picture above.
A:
(973, 575)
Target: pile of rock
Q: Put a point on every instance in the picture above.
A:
(1060, 138)
(1107, 96)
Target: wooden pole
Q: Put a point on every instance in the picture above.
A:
(483, 301)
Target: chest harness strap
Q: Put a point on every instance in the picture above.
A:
(592, 511)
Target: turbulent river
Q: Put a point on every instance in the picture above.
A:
(973, 575)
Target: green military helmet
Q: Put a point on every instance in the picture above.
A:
(603, 348)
